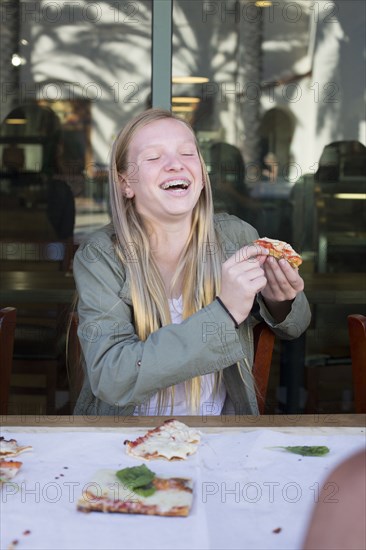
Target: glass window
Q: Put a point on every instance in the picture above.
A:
(275, 93)
(69, 81)
(72, 74)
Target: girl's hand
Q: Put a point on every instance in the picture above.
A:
(283, 281)
(283, 284)
(243, 277)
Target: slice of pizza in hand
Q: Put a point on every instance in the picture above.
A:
(10, 448)
(9, 469)
(173, 440)
(137, 490)
(280, 249)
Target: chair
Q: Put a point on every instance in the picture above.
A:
(38, 355)
(73, 359)
(263, 349)
(357, 340)
(7, 330)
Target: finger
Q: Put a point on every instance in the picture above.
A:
(245, 272)
(260, 283)
(277, 278)
(253, 274)
(257, 284)
(243, 268)
(252, 251)
(292, 275)
(282, 276)
(278, 266)
(286, 266)
(262, 259)
(272, 271)
(248, 252)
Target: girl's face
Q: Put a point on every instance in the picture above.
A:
(164, 172)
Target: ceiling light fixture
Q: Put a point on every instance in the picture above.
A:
(351, 196)
(263, 3)
(15, 121)
(17, 60)
(183, 108)
(189, 79)
(17, 116)
(181, 99)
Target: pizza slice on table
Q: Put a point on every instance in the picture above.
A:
(9, 469)
(10, 448)
(173, 440)
(137, 490)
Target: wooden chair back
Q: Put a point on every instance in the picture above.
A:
(357, 340)
(263, 349)
(74, 366)
(7, 331)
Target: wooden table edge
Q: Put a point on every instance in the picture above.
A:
(227, 421)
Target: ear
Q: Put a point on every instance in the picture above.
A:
(126, 188)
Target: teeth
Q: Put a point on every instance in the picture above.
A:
(175, 183)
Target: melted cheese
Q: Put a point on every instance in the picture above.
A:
(173, 440)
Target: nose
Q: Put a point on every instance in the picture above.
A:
(173, 163)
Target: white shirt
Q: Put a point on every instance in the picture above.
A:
(210, 404)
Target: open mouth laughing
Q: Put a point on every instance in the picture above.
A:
(177, 185)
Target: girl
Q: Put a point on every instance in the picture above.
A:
(168, 292)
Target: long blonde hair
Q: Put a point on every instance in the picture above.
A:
(199, 269)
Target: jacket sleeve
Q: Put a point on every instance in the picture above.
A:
(124, 370)
(296, 322)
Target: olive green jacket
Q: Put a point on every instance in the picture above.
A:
(123, 372)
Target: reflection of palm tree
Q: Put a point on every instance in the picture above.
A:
(228, 50)
(111, 53)
(198, 50)
(104, 61)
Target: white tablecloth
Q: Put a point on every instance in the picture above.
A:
(247, 495)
